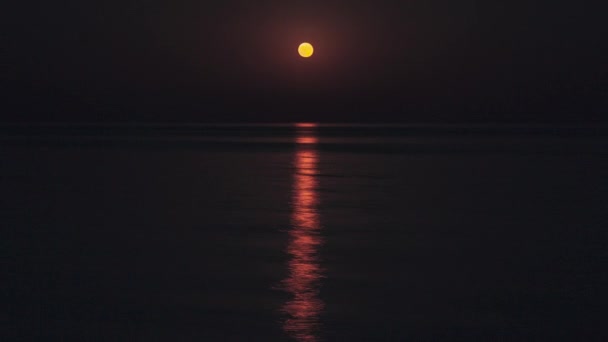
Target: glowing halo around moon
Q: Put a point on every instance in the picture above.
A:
(305, 50)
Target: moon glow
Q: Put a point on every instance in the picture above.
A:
(305, 50)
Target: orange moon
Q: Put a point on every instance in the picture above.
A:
(305, 50)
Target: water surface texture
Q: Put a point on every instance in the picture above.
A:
(304, 232)
(305, 239)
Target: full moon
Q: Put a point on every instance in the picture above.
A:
(305, 50)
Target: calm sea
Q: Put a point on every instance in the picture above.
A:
(304, 232)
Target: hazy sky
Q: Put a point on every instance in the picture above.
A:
(419, 60)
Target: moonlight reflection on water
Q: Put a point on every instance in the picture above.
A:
(304, 306)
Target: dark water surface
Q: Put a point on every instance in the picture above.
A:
(304, 233)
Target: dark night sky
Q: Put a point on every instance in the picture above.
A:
(410, 61)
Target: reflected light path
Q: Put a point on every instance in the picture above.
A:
(305, 273)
